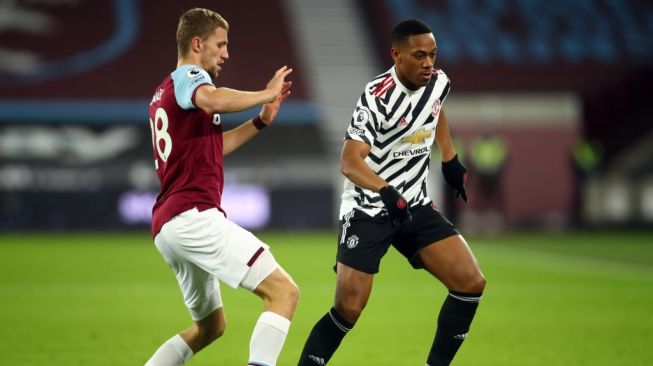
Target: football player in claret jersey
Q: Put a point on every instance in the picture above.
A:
(385, 161)
(189, 226)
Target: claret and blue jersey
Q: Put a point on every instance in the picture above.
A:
(187, 144)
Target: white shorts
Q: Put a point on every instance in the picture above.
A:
(204, 247)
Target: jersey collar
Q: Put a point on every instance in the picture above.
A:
(401, 86)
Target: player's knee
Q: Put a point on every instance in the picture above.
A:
(215, 333)
(219, 330)
(211, 328)
(283, 291)
(205, 335)
(469, 281)
(291, 293)
(476, 284)
(350, 310)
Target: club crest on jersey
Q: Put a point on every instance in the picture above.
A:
(362, 116)
(402, 123)
(352, 241)
(436, 108)
(193, 73)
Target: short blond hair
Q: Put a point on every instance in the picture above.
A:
(197, 22)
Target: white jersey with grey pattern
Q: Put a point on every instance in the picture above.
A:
(399, 125)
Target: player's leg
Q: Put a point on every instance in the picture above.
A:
(181, 347)
(453, 263)
(201, 295)
(280, 295)
(362, 243)
(245, 261)
(204, 331)
(430, 241)
(353, 289)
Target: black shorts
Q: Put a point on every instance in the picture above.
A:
(366, 239)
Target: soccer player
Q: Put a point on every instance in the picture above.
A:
(190, 228)
(385, 160)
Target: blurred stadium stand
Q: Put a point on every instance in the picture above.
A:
(76, 78)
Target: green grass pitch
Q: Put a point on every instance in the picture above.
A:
(551, 299)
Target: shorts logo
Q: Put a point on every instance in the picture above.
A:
(402, 123)
(436, 108)
(352, 241)
(216, 119)
(362, 116)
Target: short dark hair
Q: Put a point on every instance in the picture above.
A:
(406, 28)
(197, 22)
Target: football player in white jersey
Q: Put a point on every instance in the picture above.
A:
(385, 161)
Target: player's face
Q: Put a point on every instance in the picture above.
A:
(214, 52)
(414, 60)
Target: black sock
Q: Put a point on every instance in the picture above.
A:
(453, 324)
(324, 339)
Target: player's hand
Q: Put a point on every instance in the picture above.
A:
(455, 173)
(396, 205)
(276, 84)
(270, 110)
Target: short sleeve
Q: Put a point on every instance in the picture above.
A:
(446, 85)
(186, 80)
(364, 122)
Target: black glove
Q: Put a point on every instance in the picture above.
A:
(396, 205)
(455, 173)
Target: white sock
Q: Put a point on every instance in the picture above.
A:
(175, 352)
(267, 339)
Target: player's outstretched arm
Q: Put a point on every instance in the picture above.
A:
(225, 100)
(236, 137)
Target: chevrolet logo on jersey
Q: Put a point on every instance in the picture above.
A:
(418, 137)
(411, 153)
